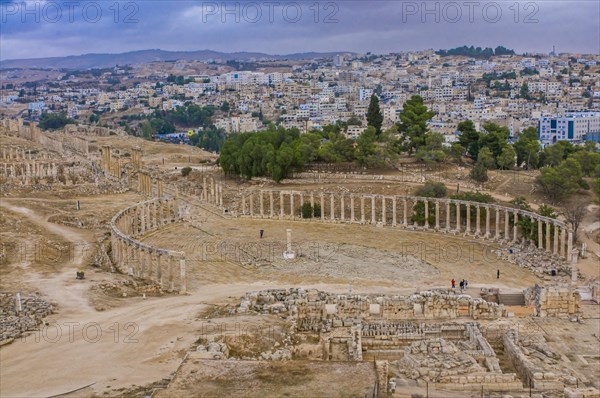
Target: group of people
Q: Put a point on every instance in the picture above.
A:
(463, 284)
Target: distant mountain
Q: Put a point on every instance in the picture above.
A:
(86, 61)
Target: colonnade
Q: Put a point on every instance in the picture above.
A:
(110, 166)
(10, 153)
(212, 191)
(136, 158)
(28, 169)
(435, 214)
(167, 267)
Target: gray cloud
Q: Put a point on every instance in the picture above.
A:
(377, 26)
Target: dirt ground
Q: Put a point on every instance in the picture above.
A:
(207, 378)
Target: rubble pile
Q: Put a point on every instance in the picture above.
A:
(14, 323)
(527, 256)
(129, 288)
(316, 310)
(434, 359)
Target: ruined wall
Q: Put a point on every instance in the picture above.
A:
(553, 301)
(321, 311)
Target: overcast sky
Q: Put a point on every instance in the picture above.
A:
(45, 28)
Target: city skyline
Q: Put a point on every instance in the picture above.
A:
(44, 28)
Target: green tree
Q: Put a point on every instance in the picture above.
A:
(456, 152)
(225, 107)
(487, 158)
(54, 121)
(494, 138)
(479, 172)
(413, 123)
(432, 151)
(367, 152)
(527, 147)
(355, 120)
(524, 91)
(596, 189)
(588, 161)
(147, 130)
(561, 181)
(469, 138)
(506, 159)
(374, 116)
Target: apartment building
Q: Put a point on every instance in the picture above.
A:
(575, 127)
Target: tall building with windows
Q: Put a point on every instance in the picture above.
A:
(574, 127)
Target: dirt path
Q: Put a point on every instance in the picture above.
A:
(61, 287)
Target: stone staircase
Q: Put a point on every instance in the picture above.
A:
(511, 299)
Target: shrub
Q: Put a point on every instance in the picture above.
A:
(186, 171)
(432, 190)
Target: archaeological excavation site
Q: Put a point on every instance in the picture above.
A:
(133, 268)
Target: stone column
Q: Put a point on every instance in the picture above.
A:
(574, 268)
(540, 235)
(487, 222)
(182, 276)
(556, 233)
(478, 220)
(362, 209)
(383, 213)
(405, 212)
(154, 214)
(140, 257)
(458, 226)
(497, 226)
(281, 204)
(252, 204)
(332, 207)
(468, 230)
(516, 227)
(548, 237)
(143, 217)
(506, 224)
(312, 200)
(426, 203)
(447, 216)
(394, 216)
(212, 190)
(221, 195)
(342, 209)
(271, 204)
(322, 207)
(569, 244)
(352, 218)
(437, 215)
(170, 260)
(292, 212)
(158, 269)
(373, 219)
(243, 203)
(261, 203)
(563, 242)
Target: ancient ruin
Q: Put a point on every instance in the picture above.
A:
(362, 292)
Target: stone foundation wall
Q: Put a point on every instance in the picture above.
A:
(320, 310)
(553, 301)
